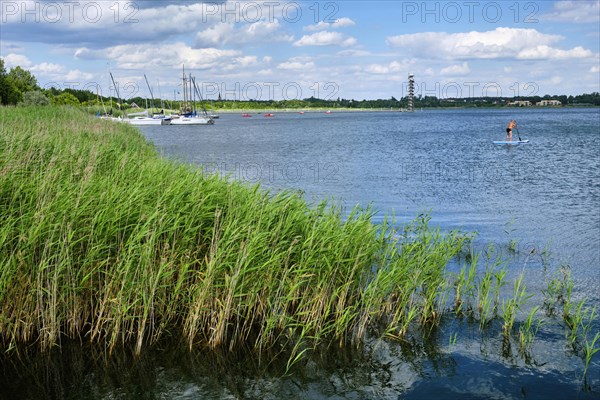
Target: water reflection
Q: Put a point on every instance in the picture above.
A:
(456, 360)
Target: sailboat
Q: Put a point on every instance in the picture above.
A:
(142, 118)
(106, 115)
(109, 115)
(189, 115)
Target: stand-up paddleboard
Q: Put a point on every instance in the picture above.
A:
(511, 143)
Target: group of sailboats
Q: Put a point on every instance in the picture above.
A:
(188, 115)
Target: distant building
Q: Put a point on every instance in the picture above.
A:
(545, 103)
(520, 103)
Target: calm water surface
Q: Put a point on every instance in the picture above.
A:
(544, 195)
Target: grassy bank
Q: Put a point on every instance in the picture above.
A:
(104, 241)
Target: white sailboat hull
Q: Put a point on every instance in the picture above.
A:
(192, 121)
(144, 121)
(109, 118)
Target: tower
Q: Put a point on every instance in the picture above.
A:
(411, 92)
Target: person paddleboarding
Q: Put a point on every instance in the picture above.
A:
(509, 128)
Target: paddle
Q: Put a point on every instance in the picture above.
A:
(518, 134)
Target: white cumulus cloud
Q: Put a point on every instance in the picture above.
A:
(392, 67)
(498, 43)
(47, 68)
(246, 61)
(580, 11)
(544, 52)
(103, 23)
(228, 33)
(377, 69)
(456, 70)
(326, 38)
(144, 56)
(13, 60)
(78, 76)
(241, 63)
(296, 66)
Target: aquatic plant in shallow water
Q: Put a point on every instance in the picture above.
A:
(104, 241)
(589, 350)
(512, 305)
(527, 332)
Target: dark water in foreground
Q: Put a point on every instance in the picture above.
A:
(544, 196)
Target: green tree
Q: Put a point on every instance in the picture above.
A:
(82, 95)
(9, 94)
(65, 99)
(34, 98)
(23, 79)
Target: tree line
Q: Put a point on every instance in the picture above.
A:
(20, 87)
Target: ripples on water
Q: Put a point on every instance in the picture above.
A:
(545, 194)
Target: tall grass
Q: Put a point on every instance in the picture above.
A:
(103, 241)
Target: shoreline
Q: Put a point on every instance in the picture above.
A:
(257, 111)
(364, 110)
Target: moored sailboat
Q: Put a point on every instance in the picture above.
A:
(189, 114)
(142, 118)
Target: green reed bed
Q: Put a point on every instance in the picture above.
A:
(104, 241)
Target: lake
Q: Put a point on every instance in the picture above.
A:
(537, 205)
(544, 194)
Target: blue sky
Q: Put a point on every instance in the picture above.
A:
(295, 49)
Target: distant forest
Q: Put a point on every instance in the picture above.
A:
(19, 86)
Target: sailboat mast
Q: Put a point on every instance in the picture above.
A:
(196, 91)
(162, 103)
(116, 91)
(150, 90)
(184, 106)
(194, 97)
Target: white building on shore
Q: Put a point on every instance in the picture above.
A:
(520, 103)
(545, 103)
